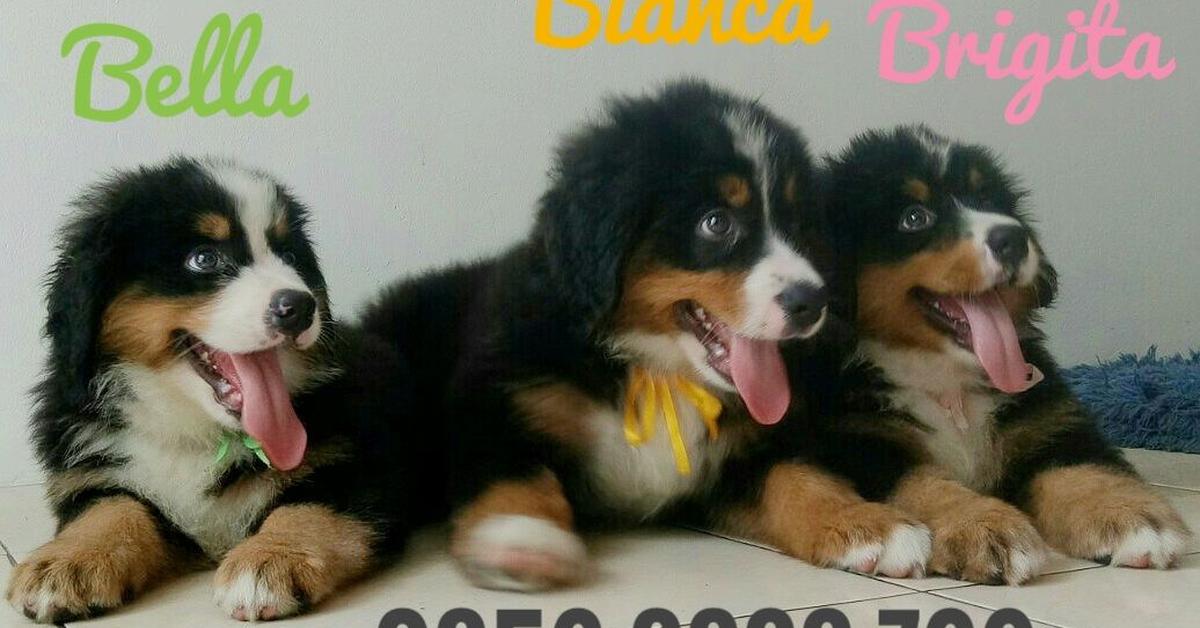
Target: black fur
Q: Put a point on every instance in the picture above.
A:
(133, 232)
(635, 183)
(866, 439)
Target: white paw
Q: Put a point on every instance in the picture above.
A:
(45, 606)
(861, 558)
(906, 552)
(519, 553)
(903, 554)
(1023, 564)
(1145, 547)
(246, 597)
(55, 585)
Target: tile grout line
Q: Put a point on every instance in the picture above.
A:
(988, 608)
(13, 487)
(1176, 487)
(907, 589)
(746, 542)
(961, 585)
(12, 562)
(836, 604)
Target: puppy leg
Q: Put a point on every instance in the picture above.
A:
(975, 538)
(103, 558)
(1102, 513)
(517, 535)
(813, 516)
(300, 555)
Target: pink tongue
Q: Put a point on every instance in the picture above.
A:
(994, 340)
(760, 377)
(267, 412)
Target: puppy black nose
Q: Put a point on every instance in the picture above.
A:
(1009, 243)
(291, 311)
(804, 304)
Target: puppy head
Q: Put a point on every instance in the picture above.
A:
(942, 257)
(678, 229)
(197, 282)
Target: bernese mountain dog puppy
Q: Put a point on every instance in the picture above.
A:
(623, 363)
(200, 404)
(954, 410)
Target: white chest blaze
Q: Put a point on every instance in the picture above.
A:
(639, 481)
(170, 444)
(930, 387)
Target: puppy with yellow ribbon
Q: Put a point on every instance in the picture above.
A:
(624, 363)
(649, 396)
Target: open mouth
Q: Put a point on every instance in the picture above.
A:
(981, 323)
(946, 314)
(753, 366)
(713, 335)
(252, 388)
(216, 368)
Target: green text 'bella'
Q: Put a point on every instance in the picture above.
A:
(224, 52)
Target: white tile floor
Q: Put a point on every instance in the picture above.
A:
(685, 571)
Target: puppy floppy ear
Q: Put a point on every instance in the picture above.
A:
(1046, 283)
(79, 288)
(841, 230)
(588, 223)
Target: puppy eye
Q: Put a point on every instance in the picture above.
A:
(917, 218)
(288, 258)
(717, 225)
(204, 259)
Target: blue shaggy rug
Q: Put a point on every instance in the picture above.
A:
(1146, 402)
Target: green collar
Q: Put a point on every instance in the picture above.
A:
(247, 441)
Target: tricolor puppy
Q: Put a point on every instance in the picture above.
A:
(623, 363)
(957, 413)
(199, 404)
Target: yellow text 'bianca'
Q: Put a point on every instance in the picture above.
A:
(786, 22)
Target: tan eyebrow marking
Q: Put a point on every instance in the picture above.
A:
(791, 190)
(917, 189)
(279, 227)
(975, 179)
(214, 226)
(735, 190)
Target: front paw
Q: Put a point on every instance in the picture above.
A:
(875, 539)
(262, 582)
(1098, 514)
(1147, 547)
(520, 553)
(988, 541)
(61, 582)
(1139, 531)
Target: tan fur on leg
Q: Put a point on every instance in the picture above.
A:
(106, 556)
(975, 537)
(815, 517)
(517, 535)
(1094, 512)
(299, 556)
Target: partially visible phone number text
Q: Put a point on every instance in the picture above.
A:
(706, 618)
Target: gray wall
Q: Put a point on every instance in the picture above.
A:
(430, 130)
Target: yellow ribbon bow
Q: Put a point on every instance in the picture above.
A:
(649, 394)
